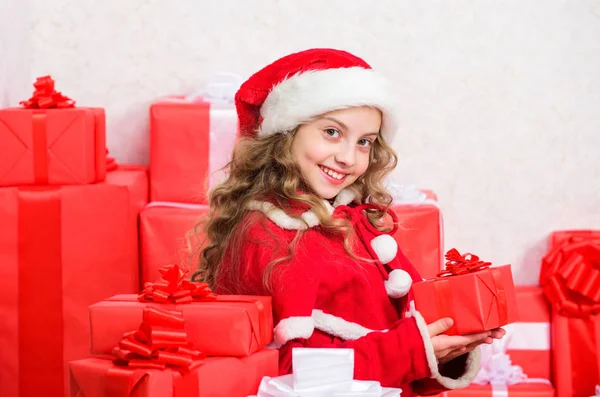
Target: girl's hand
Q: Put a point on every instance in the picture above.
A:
(448, 347)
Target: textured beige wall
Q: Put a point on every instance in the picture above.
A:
(501, 99)
(15, 51)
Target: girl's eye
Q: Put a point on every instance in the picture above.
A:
(332, 132)
(365, 142)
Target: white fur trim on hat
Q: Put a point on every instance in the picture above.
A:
(385, 247)
(303, 96)
(473, 360)
(398, 283)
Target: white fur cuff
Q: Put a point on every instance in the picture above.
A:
(303, 327)
(293, 328)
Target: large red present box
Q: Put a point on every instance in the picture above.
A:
(420, 234)
(477, 300)
(533, 389)
(570, 278)
(527, 341)
(233, 325)
(216, 377)
(519, 363)
(167, 236)
(189, 143)
(52, 146)
(61, 250)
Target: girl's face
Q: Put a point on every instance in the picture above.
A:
(333, 150)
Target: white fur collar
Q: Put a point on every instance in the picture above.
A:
(307, 219)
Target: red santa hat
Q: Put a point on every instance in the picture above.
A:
(300, 86)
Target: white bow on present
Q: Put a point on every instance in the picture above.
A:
(497, 369)
(407, 193)
(220, 90)
(322, 373)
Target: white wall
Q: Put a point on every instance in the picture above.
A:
(15, 51)
(501, 112)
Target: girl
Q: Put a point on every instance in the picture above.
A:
(302, 217)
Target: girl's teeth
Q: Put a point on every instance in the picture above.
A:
(332, 173)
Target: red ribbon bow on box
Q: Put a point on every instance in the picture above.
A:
(458, 264)
(46, 97)
(174, 288)
(570, 276)
(159, 342)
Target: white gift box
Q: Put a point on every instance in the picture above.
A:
(322, 373)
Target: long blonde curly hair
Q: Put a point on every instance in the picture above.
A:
(264, 169)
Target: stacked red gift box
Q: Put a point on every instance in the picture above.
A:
(61, 201)
(69, 245)
(176, 338)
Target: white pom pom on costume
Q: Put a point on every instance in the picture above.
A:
(398, 284)
(385, 247)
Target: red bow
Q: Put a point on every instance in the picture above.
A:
(159, 342)
(458, 264)
(174, 288)
(46, 97)
(570, 277)
(111, 164)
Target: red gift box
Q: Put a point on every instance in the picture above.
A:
(233, 325)
(519, 363)
(164, 229)
(189, 143)
(570, 278)
(52, 146)
(51, 142)
(476, 296)
(534, 389)
(528, 341)
(216, 377)
(61, 249)
(420, 234)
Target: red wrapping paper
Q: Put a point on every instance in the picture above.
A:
(530, 344)
(216, 377)
(518, 390)
(570, 277)
(52, 146)
(420, 235)
(180, 148)
(477, 301)
(62, 249)
(233, 325)
(163, 237)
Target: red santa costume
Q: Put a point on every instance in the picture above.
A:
(322, 297)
